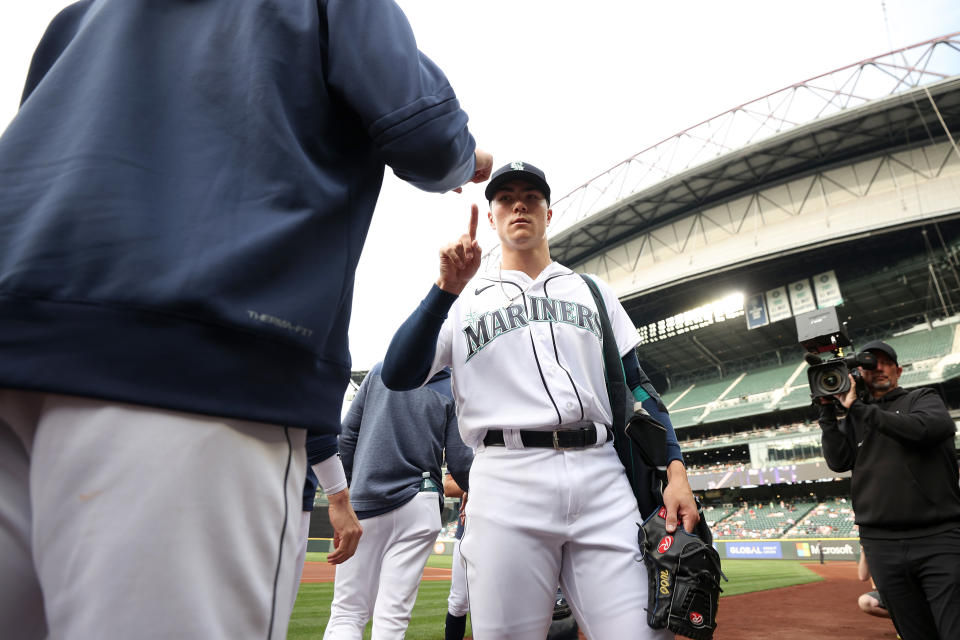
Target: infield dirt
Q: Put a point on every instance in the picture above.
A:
(824, 610)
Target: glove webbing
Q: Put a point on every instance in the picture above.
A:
(694, 607)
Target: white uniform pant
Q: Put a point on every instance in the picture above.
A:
(457, 602)
(120, 521)
(382, 577)
(537, 517)
(301, 557)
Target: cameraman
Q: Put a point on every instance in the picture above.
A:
(899, 445)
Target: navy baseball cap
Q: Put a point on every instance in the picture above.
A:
(882, 347)
(517, 171)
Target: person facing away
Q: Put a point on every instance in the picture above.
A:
(549, 499)
(458, 602)
(899, 445)
(393, 444)
(186, 188)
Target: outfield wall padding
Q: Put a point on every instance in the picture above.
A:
(791, 549)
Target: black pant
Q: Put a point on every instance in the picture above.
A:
(919, 579)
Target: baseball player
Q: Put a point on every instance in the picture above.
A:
(186, 191)
(549, 499)
(392, 445)
(334, 487)
(458, 604)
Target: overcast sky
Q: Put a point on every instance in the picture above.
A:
(573, 87)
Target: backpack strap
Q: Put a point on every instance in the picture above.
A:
(612, 365)
(646, 481)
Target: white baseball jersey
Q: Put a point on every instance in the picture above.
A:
(526, 353)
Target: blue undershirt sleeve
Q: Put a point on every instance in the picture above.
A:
(309, 489)
(320, 447)
(410, 354)
(646, 395)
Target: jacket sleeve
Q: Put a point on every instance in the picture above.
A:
(58, 35)
(839, 450)
(925, 422)
(403, 99)
(320, 447)
(458, 455)
(350, 428)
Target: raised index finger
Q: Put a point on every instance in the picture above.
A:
(474, 217)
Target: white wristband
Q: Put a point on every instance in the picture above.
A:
(330, 475)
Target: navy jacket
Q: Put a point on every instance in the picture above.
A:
(185, 192)
(390, 438)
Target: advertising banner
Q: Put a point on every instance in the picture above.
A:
(839, 550)
(748, 549)
(846, 549)
(778, 305)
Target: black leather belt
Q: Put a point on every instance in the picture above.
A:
(562, 439)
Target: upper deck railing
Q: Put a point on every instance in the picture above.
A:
(824, 95)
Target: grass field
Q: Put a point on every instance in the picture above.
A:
(313, 601)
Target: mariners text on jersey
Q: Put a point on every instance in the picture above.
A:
(481, 330)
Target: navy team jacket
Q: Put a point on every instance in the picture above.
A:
(185, 192)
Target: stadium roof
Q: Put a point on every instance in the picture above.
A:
(901, 99)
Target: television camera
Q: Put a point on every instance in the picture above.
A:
(820, 332)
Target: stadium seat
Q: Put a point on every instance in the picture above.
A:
(832, 518)
(701, 393)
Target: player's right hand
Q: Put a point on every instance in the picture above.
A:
(483, 166)
(460, 260)
(346, 527)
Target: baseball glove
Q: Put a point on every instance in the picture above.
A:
(684, 577)
(564, 625)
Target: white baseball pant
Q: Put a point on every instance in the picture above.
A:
(304, 541)
(457, 602)
(538, 517)
(382, 577)
(120, 521)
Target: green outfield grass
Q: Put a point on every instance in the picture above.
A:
(313, 601)
(313, 609)
(747, 576)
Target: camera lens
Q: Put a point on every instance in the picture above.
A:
(828, 379)
(832, 380)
